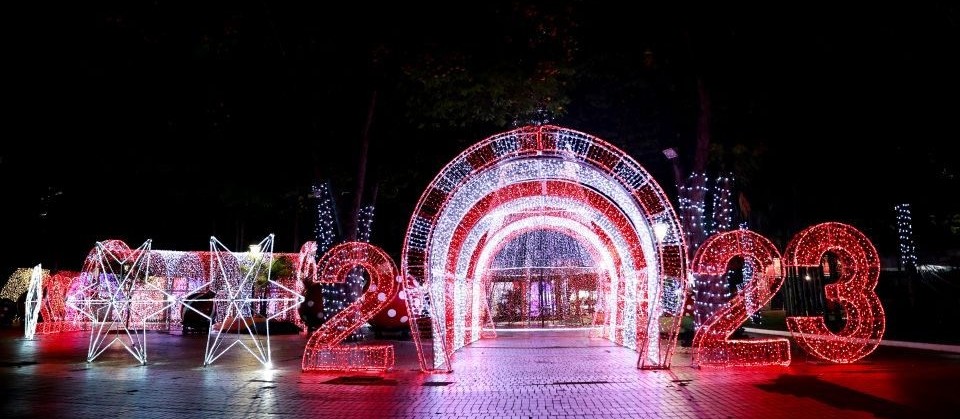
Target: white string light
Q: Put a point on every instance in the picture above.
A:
(32, 302)
(908, 252)
(572, 173)
(234, 299)
(365, 224)
(119, 293)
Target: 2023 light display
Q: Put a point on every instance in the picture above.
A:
(554, 178)
(526, 180)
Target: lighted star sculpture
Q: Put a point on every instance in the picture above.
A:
(119, 294)
(32, 309)
(233, 322)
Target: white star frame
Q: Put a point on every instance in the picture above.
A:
(119, 293)
(233, 281)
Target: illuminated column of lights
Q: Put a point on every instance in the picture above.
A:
(859, 270)
(436, 248)
(118, 294)
(355, 281)
(324, 351)
(711, 293)
(365, 224)
(325, 225)
(712, 341)
(335, 296)
(721, 206)
(234, 301)
(908, 252)
(693, 212)
(33, 302)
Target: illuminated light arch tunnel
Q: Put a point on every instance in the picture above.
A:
(545, 178)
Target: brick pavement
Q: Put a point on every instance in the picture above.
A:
(518, 375)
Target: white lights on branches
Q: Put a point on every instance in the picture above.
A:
(908, 252)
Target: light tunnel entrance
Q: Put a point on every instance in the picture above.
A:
(542, 279)
(550, 214)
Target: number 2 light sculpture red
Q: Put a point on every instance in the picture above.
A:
(324, 351)
(712, 342)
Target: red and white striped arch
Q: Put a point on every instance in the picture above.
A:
(545, 178)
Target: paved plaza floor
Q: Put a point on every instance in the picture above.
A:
(517, 375)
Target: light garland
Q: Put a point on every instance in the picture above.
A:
(173, 275)
(722, 205)
(365, 224)
(908, 251)
(476, 190)
(323, 351)
(533, 181)
(859, 270)
(324, 227)
(712, 341)
(709, 294)
(335, 297)
(17, 283)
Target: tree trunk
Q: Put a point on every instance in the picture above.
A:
(351, 233)
(696, 223)
(702, 152)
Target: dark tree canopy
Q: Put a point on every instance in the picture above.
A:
(177, 121)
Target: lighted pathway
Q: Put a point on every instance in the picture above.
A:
(517, 375)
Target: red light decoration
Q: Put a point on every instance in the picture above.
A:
(58, 315)
(394, 316)
(172, 274)
(857, 274)
(324, 351)
(544, 178)
(54, 308)
(596, 239)
(712, 341)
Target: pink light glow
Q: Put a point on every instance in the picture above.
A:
(712, 342)
(323, 351)
(604, 198)
(859, 270)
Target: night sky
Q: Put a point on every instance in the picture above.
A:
(175, 122)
